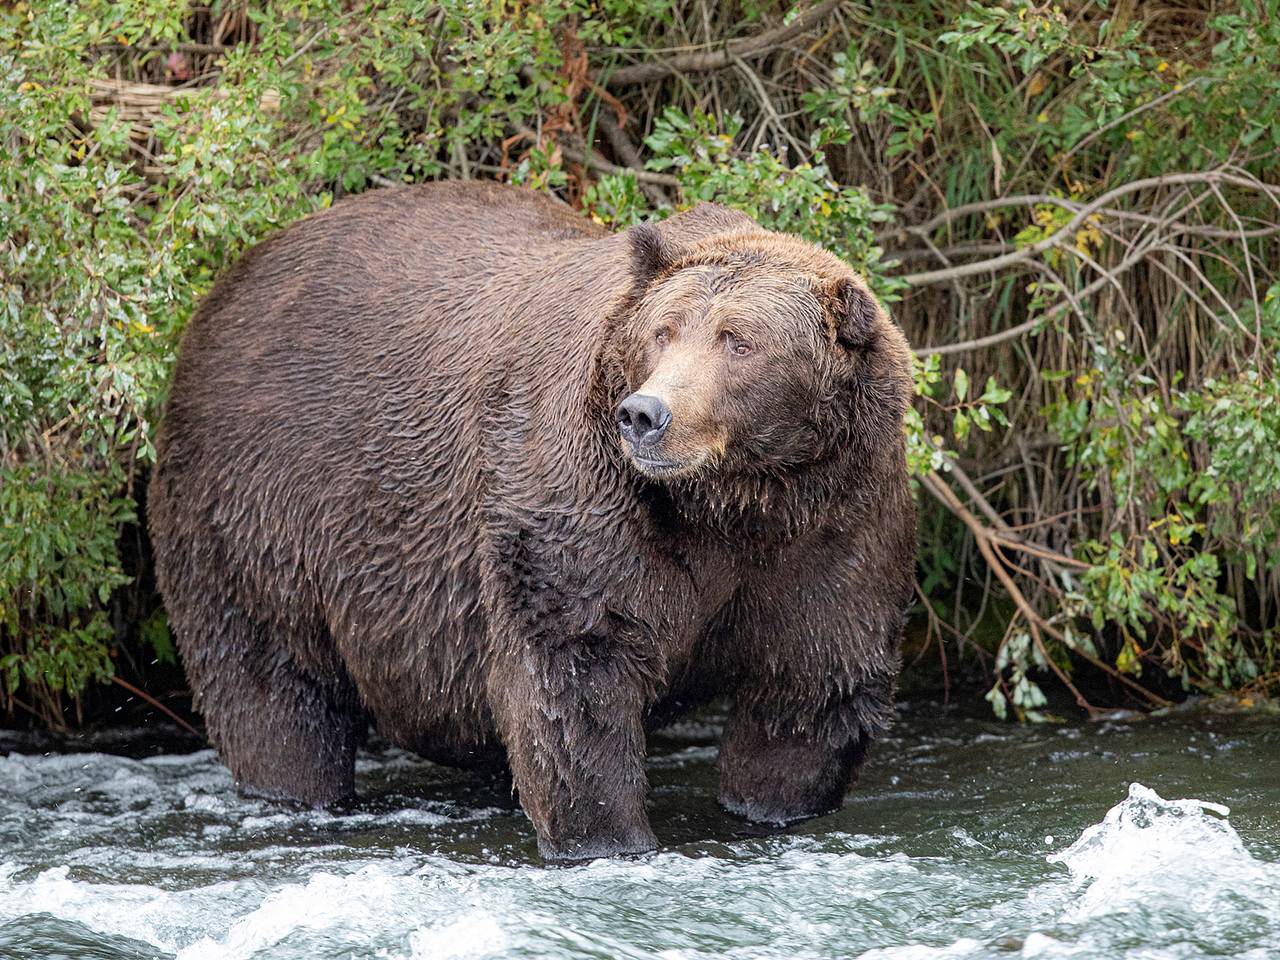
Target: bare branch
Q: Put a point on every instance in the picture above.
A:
(626, 151)
(984, 539)
(1046, 199)
(1211, 177)
(1028, 325)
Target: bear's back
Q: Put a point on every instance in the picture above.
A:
(344, 322)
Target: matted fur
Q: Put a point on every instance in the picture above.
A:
(390, 488)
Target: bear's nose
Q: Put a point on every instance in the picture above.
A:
(643, 419)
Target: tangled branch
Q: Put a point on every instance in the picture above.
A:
(1159, 235)
(723, 56)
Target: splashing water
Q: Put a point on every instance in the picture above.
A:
(1178, 861)
(1147, 841)
(946, 850)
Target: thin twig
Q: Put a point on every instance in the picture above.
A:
(762, 43)
(1177, 91)
(758, 85)
(157, 704)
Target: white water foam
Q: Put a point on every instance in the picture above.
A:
(965, 948)
(165, 919)
(473, 935)
(361, 905)
(1148, 849)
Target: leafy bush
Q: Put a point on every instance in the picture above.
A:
(1078, 202)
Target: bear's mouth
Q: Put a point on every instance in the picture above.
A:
(651, 465)
(662, 468)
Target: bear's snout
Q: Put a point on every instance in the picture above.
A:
(643, 420)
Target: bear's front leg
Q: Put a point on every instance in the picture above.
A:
(570, 714)
(781, 762)
(813, 649)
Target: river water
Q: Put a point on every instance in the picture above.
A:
(967, 838)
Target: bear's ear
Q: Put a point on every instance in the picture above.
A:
(651, 254)
(854, 313)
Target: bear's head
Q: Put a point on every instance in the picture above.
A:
(750, 356)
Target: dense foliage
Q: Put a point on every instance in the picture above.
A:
(1072, 207)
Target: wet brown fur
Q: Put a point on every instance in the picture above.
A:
(391, 488)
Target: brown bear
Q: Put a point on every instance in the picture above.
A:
(455, 461)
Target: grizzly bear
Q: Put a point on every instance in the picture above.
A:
(454, 461)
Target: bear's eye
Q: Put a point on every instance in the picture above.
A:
(737, 346)
(662, 337)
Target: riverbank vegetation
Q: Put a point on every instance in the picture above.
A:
(1073, 209)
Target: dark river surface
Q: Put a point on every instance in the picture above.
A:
(967, 838)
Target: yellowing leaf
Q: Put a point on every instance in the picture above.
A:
(1087, 237)
(1127, 659)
